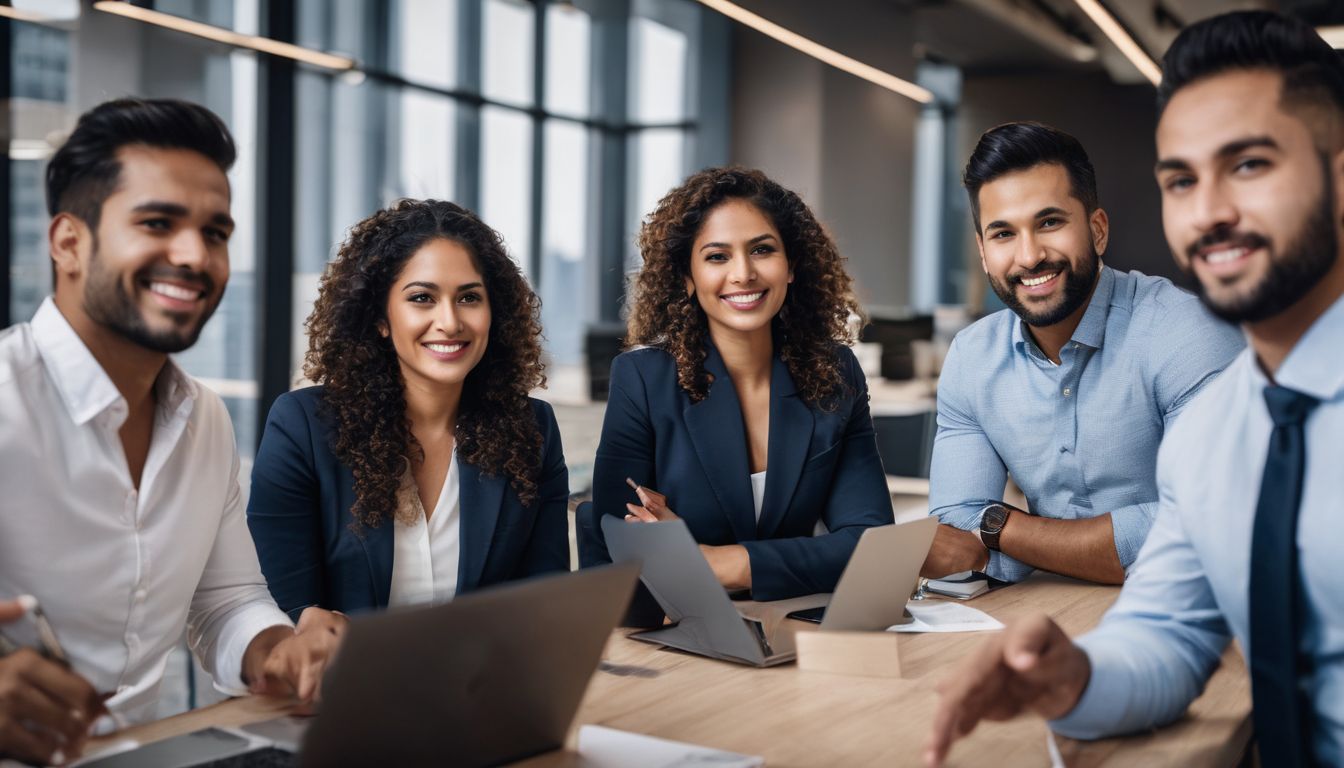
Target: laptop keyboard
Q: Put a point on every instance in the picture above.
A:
(268, 757)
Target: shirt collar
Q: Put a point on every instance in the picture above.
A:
(1315, 366)
(1091, 328)
(85, 388)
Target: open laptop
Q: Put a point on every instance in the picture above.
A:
(704, 620)
(492, 677)
(877, 582)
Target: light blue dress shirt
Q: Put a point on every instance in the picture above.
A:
(1080, 438)
(1188, 593)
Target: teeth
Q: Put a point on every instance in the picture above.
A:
(745, 298)
(1219, 257)
(1032, 281)
(175, 291)
(445, 349)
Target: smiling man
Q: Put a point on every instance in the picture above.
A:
(1247, 542)
(1071, 388)
(121, 508)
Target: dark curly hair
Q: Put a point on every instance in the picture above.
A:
(364, 396)
(810, 325)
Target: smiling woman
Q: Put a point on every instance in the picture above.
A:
(388, 483)
(746, 411)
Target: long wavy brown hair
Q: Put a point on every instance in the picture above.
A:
(365, 396)
(810, 325)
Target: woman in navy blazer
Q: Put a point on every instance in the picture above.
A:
(421, 443)
(744, 413)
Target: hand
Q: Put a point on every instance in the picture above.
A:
(285, 662)
(953, 551)
(45, 708)
(730, 563)
(654, 509)
(1030, 666)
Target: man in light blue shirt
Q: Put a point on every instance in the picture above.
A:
(1248, 537)
(1071, 388)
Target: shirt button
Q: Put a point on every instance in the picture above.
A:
(1067, 391)
(140, 595)
(1063, 449)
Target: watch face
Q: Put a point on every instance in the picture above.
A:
(994, 518)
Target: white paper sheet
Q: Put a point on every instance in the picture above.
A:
(941, 616)
(609, 748)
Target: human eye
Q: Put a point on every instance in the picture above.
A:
(762, 249)
(217, 235)
(1051, 222)
(1000, 234)
(717, 257)
(420, 297)
(157, 224)
(1178, 183)
(470, 297)
(1250, 165)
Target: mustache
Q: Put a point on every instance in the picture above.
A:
(1228, 238)
(199, 280)
(1044, 268)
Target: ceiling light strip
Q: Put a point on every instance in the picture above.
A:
(1122, 39)
(227, 36)
(19, 14)
(820, 52)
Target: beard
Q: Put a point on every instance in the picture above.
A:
(108, 304)
(1310, 254)
(1077, 289)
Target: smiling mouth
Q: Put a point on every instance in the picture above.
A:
(446, 349)
(174, 291)
(1032, 282)
(744, 299)
(1225, 255)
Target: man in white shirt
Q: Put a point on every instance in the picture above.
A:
(120, 508)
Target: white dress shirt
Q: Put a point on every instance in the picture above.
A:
(1189, 591)
(120, 573)
(758, 492)
(425, 553)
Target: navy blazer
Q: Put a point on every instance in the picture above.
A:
(822, 465)
(299, 514)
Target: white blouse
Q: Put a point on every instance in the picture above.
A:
(425, 553)
(758, 492)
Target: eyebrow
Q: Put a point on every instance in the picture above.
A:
(1229, 149)
(179, 211)
(1049, 210)
(435, 286)
(752, 241)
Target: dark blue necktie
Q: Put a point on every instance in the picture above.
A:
(1277, 610)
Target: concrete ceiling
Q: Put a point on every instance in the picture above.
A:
(1004, 36)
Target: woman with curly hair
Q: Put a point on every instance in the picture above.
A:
(740, 401)
(418, 468)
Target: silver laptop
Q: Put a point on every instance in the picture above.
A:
(492, 677)
(704, 620)
(877, 582)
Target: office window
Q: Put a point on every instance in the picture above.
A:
(424, 31)
(506, 179)
(658, 88)
(566, 287)
(568, 61)
(508, 51)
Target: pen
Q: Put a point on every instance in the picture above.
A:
(51, 646)
(633, 485)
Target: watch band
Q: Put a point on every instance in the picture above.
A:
(993, 518)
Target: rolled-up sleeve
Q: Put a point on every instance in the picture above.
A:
(1130, 526)
(231, 605)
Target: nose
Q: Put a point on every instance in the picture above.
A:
(1212, 208)
(447, 318)
(743, 271)
(1030, 251)
(189, 250)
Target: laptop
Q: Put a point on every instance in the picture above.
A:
(704, 619)
(879, 579)
(492, 677)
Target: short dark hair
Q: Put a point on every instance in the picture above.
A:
(1313, 72)
(84, 171)
(1018, 146)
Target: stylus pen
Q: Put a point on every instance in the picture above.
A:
(630, 481)
(51, 646)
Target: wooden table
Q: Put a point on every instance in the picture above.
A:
(796, 718)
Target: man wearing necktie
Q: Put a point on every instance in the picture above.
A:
(1248, 535)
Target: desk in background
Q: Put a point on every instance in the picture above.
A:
(796, 718)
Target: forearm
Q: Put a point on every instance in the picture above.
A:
(1083, 549)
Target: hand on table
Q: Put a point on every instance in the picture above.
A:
(1029, 666)
(45, 708)
(290, 662)
(953, 551)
